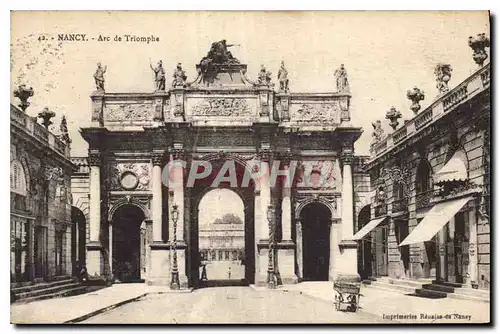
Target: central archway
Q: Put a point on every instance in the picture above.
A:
(221, 233)
(315, 218)
(222, 216)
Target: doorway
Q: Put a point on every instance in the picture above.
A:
(315, 220)
(365, 253)
(127, 221)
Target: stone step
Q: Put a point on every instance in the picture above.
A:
(415, 284)
(63, 293)
(367, 281)
(469, 297)
(371, 278)
(450, 284)
(40, 286)
(438, 287)
(391, 287)
(49, 290)
(486, 294)
(430, 293)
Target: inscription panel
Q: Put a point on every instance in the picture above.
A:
(221, 107)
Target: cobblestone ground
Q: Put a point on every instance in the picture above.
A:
(224, 305)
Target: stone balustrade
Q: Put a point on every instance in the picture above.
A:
(30, 125)
(479, 81)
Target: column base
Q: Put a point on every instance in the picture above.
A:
(286, 262)
(346, 266)
(95, 260)
(160, 268)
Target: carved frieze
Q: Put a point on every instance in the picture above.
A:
(129, 112)
(130, 176)
(315, 112)
(318, 174)
(221, 107)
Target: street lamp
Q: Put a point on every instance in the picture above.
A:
(271, 278)
(174, 284)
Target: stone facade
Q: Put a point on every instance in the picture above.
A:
(406, 172)
(223, 116)
(40, 217)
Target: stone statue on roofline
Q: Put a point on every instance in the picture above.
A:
(179, 77)
(159, 76)
(99, 77)
(283, 78)
(341, 80)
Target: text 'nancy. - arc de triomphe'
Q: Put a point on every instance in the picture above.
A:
(222, 116)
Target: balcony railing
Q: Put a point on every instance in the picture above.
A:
(423, 199)
(380, 210)
(29, 124)
(478, 82)
(400, 205)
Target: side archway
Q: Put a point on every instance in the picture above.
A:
(314, 241)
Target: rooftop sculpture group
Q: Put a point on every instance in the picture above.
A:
(219, 57)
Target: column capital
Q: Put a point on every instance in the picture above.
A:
(347, 158)
(94, 158)
(286, 157)
(265, 155)
(157, 158)
(178, 153)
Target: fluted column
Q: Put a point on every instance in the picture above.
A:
(265, 193)
(94, 256)
(156, 204)
(347, 266)
(178, 156)
(286, 202)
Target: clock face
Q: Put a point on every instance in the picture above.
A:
(129, 180)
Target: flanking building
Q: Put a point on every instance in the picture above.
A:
(41, 229)
(430, 180)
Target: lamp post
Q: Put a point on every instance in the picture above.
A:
(174, 284)
(271, 278)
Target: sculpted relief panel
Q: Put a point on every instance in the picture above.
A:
(129, 112)
(130, 176)
(221, 107)
(319, 174)
(315, 112)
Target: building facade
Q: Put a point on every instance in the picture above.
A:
(430, 180)
(221, 116)
(40, 217)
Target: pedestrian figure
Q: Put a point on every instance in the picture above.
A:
(229, 272)
(204, 272)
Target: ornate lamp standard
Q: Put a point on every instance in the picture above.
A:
(271, 278)
(174, 284)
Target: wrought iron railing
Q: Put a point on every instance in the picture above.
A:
(423, 199)
(380, 210)
(400, 205)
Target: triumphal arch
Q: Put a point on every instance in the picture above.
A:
(153, 156)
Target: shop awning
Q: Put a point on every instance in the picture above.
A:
(434, 220)
(453, 170)
(368, 228)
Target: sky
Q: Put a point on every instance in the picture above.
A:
(384, 53)
(210, 208)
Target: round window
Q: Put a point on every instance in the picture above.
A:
(129, 180)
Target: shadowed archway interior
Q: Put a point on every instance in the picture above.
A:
(127, 221)
(316, 219)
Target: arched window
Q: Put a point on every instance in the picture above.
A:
(17, 178)
(423, 179)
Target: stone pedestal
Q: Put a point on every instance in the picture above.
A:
(159, 265)
(94, 259)
(261, 263)
(286, 262)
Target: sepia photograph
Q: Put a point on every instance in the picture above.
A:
(250, 167)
